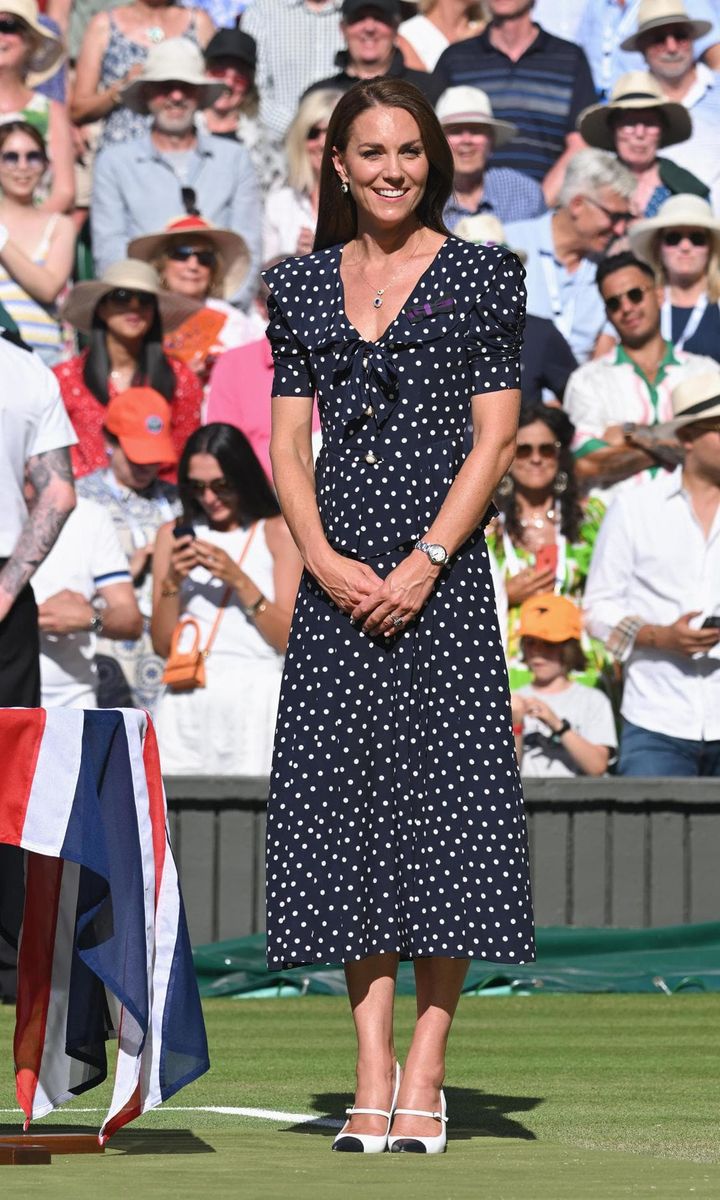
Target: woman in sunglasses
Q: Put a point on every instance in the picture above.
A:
(544, 535)
(232, 566)
(682, 244)
(124, 316)
(30, 54)
(291, 211)
(205, 264)
(36, 247)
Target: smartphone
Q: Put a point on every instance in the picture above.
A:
(183, 531)
(711, 623)
(546, 558)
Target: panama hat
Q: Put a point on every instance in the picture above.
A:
(79, 308)
(636, 90)
(174, 59)
(682, 210)
(140, 419)
(653, 14)
(47, 52)
(486, 230)
(233, 253)
(471, 106)
(695, 399)
(551, 618)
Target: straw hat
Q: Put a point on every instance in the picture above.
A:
(652, 14)
(682, 210)
(174, 59)
(485, 229)
(48, 51)
(471, 106)
(234, 256)
(84, 298)
(696, 399)
(636, 90)
(551, 618)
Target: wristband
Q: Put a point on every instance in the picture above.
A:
(517, 729)
(559, 734)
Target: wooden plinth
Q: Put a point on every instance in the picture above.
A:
(36, 1148)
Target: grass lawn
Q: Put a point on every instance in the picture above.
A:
(549, 1098)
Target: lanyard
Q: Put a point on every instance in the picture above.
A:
(137, 533)
(514, 565)
(694, 320)
(612, 35)
(563, 316)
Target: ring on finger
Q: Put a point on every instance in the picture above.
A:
(397, 621)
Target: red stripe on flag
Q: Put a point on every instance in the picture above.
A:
(151, 761)
(129, 1112)
(35, 964)
(21, 732)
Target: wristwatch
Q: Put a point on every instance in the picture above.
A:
(558, 735)
(438, 555)
(96, 624)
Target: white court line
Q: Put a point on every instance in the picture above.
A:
(264, 1114)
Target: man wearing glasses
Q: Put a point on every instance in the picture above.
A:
(614, 400)
(564, 246)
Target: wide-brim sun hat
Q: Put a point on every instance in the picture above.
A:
(695, 399)
(136, 276)
(232, 250)
(683, 211)
(636, 90)
(653, 14)
(48, 51)
(485, 229)
(175, 59)
(471, 106)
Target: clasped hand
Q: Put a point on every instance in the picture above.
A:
(401, 595)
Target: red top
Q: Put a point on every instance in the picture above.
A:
(88, 414)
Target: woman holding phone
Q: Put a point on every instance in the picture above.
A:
(544, 535)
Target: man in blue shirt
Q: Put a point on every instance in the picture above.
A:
(538, 82)
(140, 185)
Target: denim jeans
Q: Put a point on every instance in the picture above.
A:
(644, 752)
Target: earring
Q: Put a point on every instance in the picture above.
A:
(344, 187)
(506, 486)
(560, 483)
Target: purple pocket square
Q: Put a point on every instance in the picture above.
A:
(430, 309)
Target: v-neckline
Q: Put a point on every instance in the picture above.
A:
(406, 301)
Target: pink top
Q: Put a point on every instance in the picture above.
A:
(240, 392)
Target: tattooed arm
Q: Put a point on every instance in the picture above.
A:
(51, 477)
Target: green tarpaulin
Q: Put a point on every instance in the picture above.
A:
(682, 957)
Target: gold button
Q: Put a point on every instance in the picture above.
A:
(369, 410)
(370, 457)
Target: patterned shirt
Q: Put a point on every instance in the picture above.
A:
(507, 194)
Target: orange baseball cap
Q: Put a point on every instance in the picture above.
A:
(140, 419)
(551, 618)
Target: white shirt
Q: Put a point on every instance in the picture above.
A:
(590, 714)
(287, 212)
(701, 152)
(652, 560)
(426, 39)
(86, 557)
(561, 18)
(32, 421)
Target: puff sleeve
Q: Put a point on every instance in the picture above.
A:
(494, 329)
(293, 373)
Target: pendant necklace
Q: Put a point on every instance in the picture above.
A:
(537, 520)
(380, 292)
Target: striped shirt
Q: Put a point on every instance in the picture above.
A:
(542, 93)
(38, 323)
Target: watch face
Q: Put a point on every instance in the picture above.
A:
(437, 555)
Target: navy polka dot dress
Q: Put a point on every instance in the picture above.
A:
(395, 821)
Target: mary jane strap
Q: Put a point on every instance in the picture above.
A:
(420, 1112)
(371, 1112)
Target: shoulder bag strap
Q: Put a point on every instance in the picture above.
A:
(227, 594)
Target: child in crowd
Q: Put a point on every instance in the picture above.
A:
(562, 727)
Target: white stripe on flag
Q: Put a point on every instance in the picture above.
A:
(54, 782)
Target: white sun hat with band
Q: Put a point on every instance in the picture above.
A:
(47, 50)
(637, 90)
(682, 211)
(175, 59)
(696, 399)
(471, 106)
(133, 276)
(653, 14)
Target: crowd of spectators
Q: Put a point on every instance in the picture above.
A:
(155, 156)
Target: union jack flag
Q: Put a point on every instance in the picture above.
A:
(104, 949)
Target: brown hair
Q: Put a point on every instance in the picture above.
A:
(337, 213)
(8, 128)
(572, 655)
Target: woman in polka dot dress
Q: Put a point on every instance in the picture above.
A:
(395, 824)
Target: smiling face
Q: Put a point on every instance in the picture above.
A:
(238, 78)
(638, 133)
(172, 105)
(385, 165)
(22, 166)
(669, 51)
(127, 315)
(370, 36)
(471, 146)
(636, 318)
(187, 275)
(598, 220)
(684, 263)
(534, 470)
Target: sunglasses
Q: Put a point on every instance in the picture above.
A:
(13, 158)
(657, 37)
(221, 487)
(546, 450)
(189, 199)
(123, 295)
(673, 237)
(12, 25)
(314, 132)
(206, 258)
(634, 295)
(612, 215)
